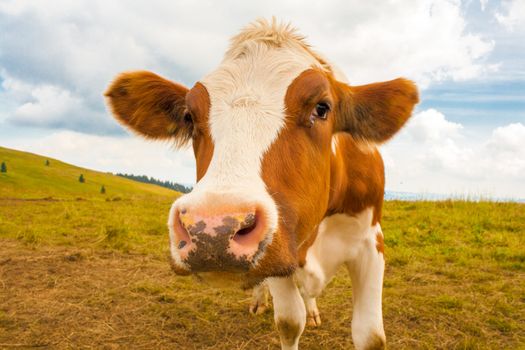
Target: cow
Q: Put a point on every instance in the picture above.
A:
(290, 181)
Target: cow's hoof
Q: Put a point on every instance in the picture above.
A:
(313, 319)
(257, 307)
(375, 341)
(259, 302)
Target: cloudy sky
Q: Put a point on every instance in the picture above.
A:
(467, 136)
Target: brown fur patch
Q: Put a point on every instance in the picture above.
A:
(376, 342)
(375, 112)
(380, 243)
(198, 104)
(288, 331)
(357, 179)
(296, 168)
(150, 105)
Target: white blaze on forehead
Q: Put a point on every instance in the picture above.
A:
(247, 112)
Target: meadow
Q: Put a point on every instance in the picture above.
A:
(84, 269)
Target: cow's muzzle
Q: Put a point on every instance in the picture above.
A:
(228, 239)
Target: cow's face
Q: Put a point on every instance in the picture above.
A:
(261, 127)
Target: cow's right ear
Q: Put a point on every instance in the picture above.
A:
(150, 105)
(375, 112)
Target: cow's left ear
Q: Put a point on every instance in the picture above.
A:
(150, 105)
(375, 112)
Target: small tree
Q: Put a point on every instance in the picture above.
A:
(102, 190)
(47, 162)
(3, 168)
(81, 178)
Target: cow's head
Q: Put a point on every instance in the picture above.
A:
(261, 127)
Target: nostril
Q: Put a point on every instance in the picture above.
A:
(244, 236)
(245, 231)
(182, 236)
(246, 242)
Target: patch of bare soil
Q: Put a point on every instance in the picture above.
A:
(65, 298)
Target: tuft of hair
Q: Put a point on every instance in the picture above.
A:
(272, 33)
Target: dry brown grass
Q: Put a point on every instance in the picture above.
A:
(63, 298)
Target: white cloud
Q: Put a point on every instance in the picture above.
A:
(431, 126)
(114, 154)
(483, 4)
(513, 15)
(433, 155)
(425, 40)
(506, 150)
(56, 61)
(50, 106)
(78, 47)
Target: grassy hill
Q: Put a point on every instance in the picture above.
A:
(47, 205)
(28, 177)
(87, 270)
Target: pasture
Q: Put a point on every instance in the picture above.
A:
(82, 269)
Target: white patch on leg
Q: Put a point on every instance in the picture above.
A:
(289, 311)
(350, 240)
(333, 247)
(366, 267)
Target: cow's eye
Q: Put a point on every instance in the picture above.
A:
(188, 119)
(321, 110)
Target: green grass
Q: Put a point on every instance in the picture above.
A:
(87, 270)
(47, 205)
(28, 177)
(459, 268)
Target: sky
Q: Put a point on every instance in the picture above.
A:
(466, 137)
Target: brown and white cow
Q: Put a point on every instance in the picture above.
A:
(289, 179)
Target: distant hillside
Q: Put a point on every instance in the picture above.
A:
(28, 177)
(150, 180)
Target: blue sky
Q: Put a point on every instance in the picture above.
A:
(494, 99)
(467, 135)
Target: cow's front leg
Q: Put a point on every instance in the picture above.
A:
(366, 270)
(289, 310)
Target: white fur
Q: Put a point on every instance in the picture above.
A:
(349, 240)
(334, 144)
(289, 308)
(248, 112)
